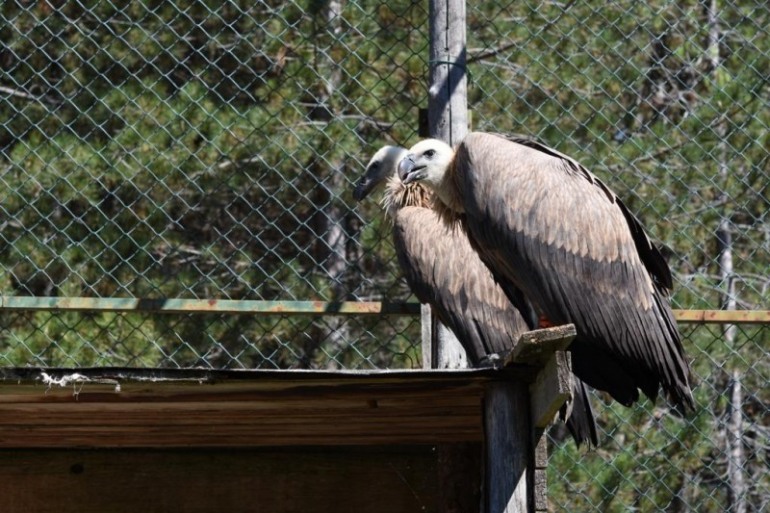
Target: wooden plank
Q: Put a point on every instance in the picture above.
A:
(204, 306)
(540, 474)
(112, 375)
(551, 389)
(429, 408)
(508, 448)
(537, 346)
(374, 480)
(257, 307)
(723, 316)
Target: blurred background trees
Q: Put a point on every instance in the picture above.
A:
(208, 149)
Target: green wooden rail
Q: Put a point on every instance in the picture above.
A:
(206, 306)
(257, 307)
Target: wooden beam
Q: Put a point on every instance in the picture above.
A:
(205, 306)
(516, 418)
(508, 448)
(538, 346)
(426, 337)
(448, 88)
(448, 121)
(258, 307)
(87, 408)
(551, 389)
(540, 471)
(723, 316)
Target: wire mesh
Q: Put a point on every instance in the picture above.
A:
(651, 460)
(668, 103)
(207, 150)
(200, 150)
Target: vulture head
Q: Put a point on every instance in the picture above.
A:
(380, 168)
(427, 161)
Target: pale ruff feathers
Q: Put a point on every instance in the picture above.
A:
(397, 196)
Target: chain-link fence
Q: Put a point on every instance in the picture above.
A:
(207, 150)
(667, 102)
(202, 150)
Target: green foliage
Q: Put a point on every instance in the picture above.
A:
(627, 89)
(206, 149)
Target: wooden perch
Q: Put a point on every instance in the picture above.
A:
(538, 346)
(515, 445)
(551, 389)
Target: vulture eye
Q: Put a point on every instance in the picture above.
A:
(430, 153)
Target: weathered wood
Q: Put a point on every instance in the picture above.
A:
(379, 480)
(265, 377)
(259, 307)
(536, 347)
(426, 332)
(460, 476)
(270, 409)
(203, 306)
(450, 354)
(723, 316)
(447, 92)
(448, 121)
(508, 448)
(551, 389)
(540, 470)
(515, 418)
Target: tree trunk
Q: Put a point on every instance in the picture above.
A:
(736, 460)
(335, 217)
(724, 230)
(733, 431)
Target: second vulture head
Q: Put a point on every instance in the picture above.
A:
(380, 168)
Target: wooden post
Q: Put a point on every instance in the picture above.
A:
(508, 449)
(513, 411)
(448, 121)
(447, 94)
(515, 417)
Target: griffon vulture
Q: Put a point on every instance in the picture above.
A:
(544, 224)
(444, 271)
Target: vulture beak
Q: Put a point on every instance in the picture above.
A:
(408, 171)
(363, 188)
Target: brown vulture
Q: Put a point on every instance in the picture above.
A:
(544, 224)
(444, 271)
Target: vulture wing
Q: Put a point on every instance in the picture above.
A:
(443, 270)
(545, 224)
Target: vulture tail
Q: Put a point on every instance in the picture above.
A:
(581, 422)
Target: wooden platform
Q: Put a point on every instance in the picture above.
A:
(232, 480)
(111, 439)
(114, 408)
